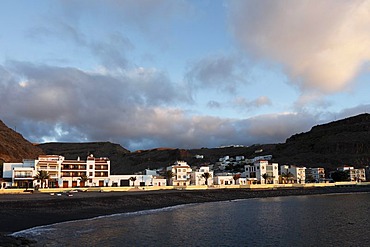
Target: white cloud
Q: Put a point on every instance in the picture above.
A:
(321, 44)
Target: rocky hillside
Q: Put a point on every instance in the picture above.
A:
(343, 142)
(14, 148)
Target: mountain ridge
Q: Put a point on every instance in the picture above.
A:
(341, 142)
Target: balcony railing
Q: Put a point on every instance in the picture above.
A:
(23, 176)
(74, 168)
(73, 174)
(101, 174)
(101, 167)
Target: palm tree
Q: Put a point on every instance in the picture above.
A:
(169, 175)
(236, 177)
(206, 176)
(287, 176)
(83, 179)
(133, 179)
(265, 176)
(42, 176)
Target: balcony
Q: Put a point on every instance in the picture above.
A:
(73, 167)
(101, 174)
(73, 174)
(104, 167)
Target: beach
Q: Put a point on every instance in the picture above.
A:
(23, 211)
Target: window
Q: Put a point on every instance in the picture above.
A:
(90, 173)
(91, 166)
(184, 176)
(184, 170)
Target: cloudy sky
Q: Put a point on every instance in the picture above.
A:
(187, 74)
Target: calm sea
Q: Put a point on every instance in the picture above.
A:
(323, 220)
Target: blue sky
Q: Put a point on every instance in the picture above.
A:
(185, 74)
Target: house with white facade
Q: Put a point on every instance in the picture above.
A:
(262, 172)
(198, 177)
(136, 180)
(181, 171)
(292, 174)
(223, 179)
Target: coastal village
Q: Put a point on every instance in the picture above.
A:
(55, 172)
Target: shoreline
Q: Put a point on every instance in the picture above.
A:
(21, 212)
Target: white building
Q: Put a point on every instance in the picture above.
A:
(262, 172)
(197, 176)
(181, 171)
(354, 174)
(62, 173)
(298, 174)
(316, 175)
(19, 174)
(136, 180)
(223, 180)
(68, 173)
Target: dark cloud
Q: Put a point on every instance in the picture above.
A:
(65, 103)
(220, 72)
(213, 104)
(134, 109)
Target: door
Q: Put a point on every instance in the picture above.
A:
(65, 184)
(74, 183)
(101, 183)
(124, 183)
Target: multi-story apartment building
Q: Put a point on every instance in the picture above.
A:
(181, 171)
(262, 172)
(19, 174)
(292, 174)
(62, 173)
(354, 174)
(316, 175)
(198, 177)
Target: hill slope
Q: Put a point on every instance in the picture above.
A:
(329, 145)
(14, 148)
(343, 142)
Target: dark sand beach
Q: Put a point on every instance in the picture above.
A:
(19, 212)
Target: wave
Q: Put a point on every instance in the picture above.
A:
(39, 230)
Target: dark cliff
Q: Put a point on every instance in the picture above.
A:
(14, 148)
(343, 142)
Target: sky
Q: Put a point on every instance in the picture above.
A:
(181, 74)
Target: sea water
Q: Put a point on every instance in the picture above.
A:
(320, 220)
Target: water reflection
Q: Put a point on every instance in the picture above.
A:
(330, 220)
